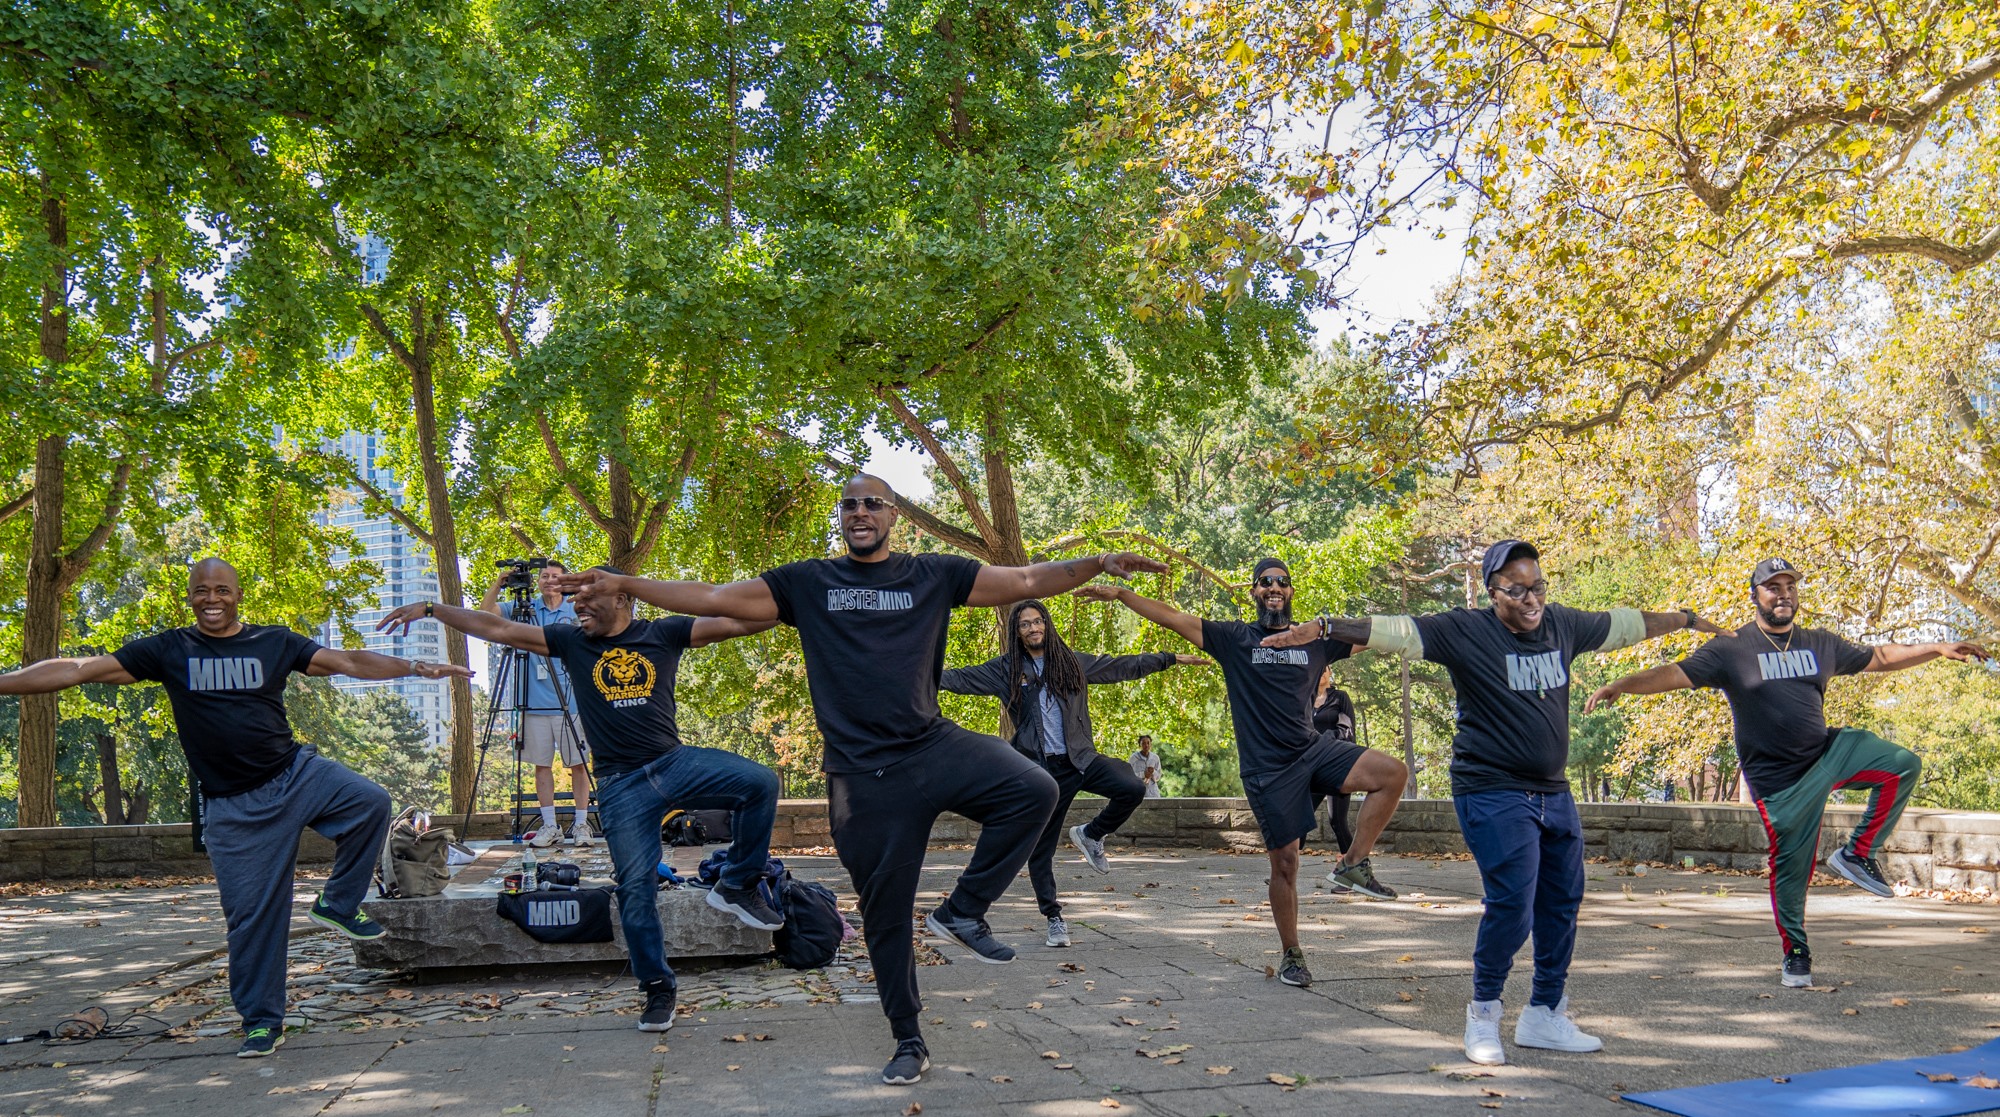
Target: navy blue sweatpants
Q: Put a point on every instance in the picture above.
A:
(253, 842)
(1529, 847)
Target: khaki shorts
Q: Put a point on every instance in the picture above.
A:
(540, 736)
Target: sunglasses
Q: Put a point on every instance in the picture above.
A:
(872, 503)
(1520, 593)
(1269, 580)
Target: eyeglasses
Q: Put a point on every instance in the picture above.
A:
(1270, 580)
(1520, 593)
(872, 503)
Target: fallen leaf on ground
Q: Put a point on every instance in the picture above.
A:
(282, 1090)
(1072, 967)
(1781, 1079)
(519, 1109)
(1899, 1002)
(1489, 1105)
(1051, 1054)
(1219, 1070)
(1850, 1012)
(1281, 1079)
(979, 1023)
(737, 1038)
(1940, 1077)
(1000, 1078)
(1110, 1103)
(1270, 972)
(1982, 1082)
(1407, 958)
(1405, 998)
(1034, 1004)
(1065, 1066)
(1491, 1092)
(1973, 931)
(1175, 1059)
(1225, 900)
(912, 1109)
(733, 1066)
(568, 1047)
(1131, 1023)
(659, 1049)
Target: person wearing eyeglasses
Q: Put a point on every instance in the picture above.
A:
(872, 623)
(1287, 765)
(1510, 664)
(1774, 673)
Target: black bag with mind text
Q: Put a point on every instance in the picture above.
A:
(560, 914)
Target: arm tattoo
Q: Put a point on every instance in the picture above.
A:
(1069, 569)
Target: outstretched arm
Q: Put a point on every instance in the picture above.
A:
(714, 630)
(1895, 657)
(748, 600)
(472, 622)
(988, 679)
(1004, 585)
(1159, 612)
(374, 665)
(51, 675)
(1349, 630)
(1653, 680)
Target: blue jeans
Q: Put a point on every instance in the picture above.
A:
(1529, 847)
(631, 806)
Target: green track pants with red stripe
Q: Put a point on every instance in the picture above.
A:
(1854, 758)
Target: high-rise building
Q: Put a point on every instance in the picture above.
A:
(408, 574)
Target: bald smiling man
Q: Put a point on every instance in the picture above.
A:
(226, 683)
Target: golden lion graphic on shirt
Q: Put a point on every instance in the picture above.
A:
(622, 675)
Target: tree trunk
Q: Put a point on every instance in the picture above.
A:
(621, 527)
(444, 544)
(42, 619)
(107, 774)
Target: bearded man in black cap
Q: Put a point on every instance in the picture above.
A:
(1287, 765)
(1774, 673)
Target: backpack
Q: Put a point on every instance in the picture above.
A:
(415, 863)
(814, 927)
(695, 828)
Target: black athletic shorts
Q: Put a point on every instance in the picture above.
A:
(1284, 800)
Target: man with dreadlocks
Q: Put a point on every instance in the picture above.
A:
(1041, 682)
(1287, 765)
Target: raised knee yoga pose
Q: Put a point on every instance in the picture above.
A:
(1774, 672)
(1043, 686)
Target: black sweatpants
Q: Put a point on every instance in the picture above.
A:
(1123, 792)
(881, 822)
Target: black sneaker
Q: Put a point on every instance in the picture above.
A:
(911, 1061)
(356, 926)
(1797, 973)
(659, 1012)
(747, 905)
(1863, 871)
(972, 934)
(259, 1042)
(1294, 971)
(1360, 877)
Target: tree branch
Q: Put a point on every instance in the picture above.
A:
(561, 463)
(1071, 542)
(1956, 257)
(78, 559)
(345, 465)
(15, 506)
(946, 464)
(507, 520)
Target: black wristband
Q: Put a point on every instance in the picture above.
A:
(1689, 614)
(428, 606)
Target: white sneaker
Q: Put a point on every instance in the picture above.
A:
(545, 837)
(1058, 932)
(581, 834)
(1482, 1033)
(1542, 1026)
(1091, 848)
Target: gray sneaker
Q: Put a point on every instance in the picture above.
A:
(1294, 971)
(1058, 932)
(1091, 848)
(1863, 871)
(1360, 877)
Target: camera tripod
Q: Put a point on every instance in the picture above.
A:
(510, 678)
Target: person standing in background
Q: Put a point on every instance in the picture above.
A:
(1146, 766)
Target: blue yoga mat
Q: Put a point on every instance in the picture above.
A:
(1892, 1089)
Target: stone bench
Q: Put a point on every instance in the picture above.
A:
(462, 928)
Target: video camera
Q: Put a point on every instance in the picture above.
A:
(519, 579)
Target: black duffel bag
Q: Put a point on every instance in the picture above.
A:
(560, 914)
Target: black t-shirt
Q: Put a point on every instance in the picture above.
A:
(624, 687)
(1513, 693)
(1270, 691)
(874, 638)
(1777, 695)
(1335, 714)
(228, 696)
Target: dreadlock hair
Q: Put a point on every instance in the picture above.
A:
(1062, 672)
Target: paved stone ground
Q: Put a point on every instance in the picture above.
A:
(1162, 1007)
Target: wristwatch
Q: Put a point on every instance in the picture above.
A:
(428, 607)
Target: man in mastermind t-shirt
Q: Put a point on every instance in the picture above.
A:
(226, 682)
(872, 623)
(1287, 765)
(622, 671)
(1510, 666)
(1774, 673)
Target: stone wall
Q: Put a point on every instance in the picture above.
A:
(1930, 848)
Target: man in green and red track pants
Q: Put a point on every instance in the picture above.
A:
(1774, 674)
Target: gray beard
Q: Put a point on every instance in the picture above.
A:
(1280, 619)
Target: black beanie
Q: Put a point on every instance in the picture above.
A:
(1264, 564)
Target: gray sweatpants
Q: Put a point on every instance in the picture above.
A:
(253, 842)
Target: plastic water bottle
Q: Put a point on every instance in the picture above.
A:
(528, 860)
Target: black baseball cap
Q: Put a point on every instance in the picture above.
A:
(1771, 568)
(1500, 554)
